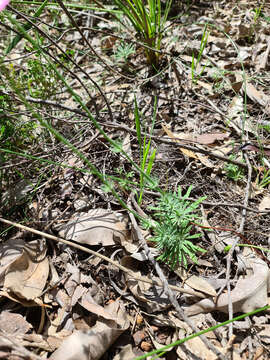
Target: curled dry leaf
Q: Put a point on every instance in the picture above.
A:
(97, 227)
(196, 282)
(151, 297)
(94, 343)
(14, 324)
(203, 159)
(255, 95)
(10, 250)
(265, 203)
(26, 276)
(245, 298)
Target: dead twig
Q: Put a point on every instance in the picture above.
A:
(265, 57)
(103, 257)
(230, 254)
(153, 137)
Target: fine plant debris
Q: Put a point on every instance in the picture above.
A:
(134, 179)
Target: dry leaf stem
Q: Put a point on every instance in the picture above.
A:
(230, 254)
(103, 257)
(154, 137)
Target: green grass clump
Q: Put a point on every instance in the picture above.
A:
(148, 21)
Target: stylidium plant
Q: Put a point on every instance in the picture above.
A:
(3, 4)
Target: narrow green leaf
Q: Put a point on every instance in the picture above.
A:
(27, 26)
(151, 162)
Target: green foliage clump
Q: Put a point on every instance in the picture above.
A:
(234, 172)
(14, 132)
(124, 51)
(148, 21)
(172, 228)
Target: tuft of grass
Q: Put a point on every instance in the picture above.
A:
(265, 180)
(196, 61)
(172, 228)
(148, 21)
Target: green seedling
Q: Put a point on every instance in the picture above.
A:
(14, 133)
(147, 156)
(124, 51)
(257, 13)
(20, 92)
(172, 228)
(125, 179)
(195, 62)
(265, 181)
(27, 26)
(233, 171)
(40, 79)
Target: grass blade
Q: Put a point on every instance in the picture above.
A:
(26, 27)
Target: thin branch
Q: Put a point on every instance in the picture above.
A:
(103, 257)
(230, 254)
(157, 138)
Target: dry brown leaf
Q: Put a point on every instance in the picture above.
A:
(14, 324)
(126, 353)
(127, 145)
(23, 302)
(194, 346)
(97, 227)
(259, 149)
(187, 152)
(73, 280)
(89, 304)
(44, 342)
(235, 114)
(151, 297)
(27, 275)
(265, 203)
(255, 95)
(10, 250)
(62, 313)
(265, 333)
(200, 351)
(210, 138)
(204, 139)
(204, 160)
(94, 343)
(196, 282)
(244, 297)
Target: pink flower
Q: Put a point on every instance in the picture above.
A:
(3, 4)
